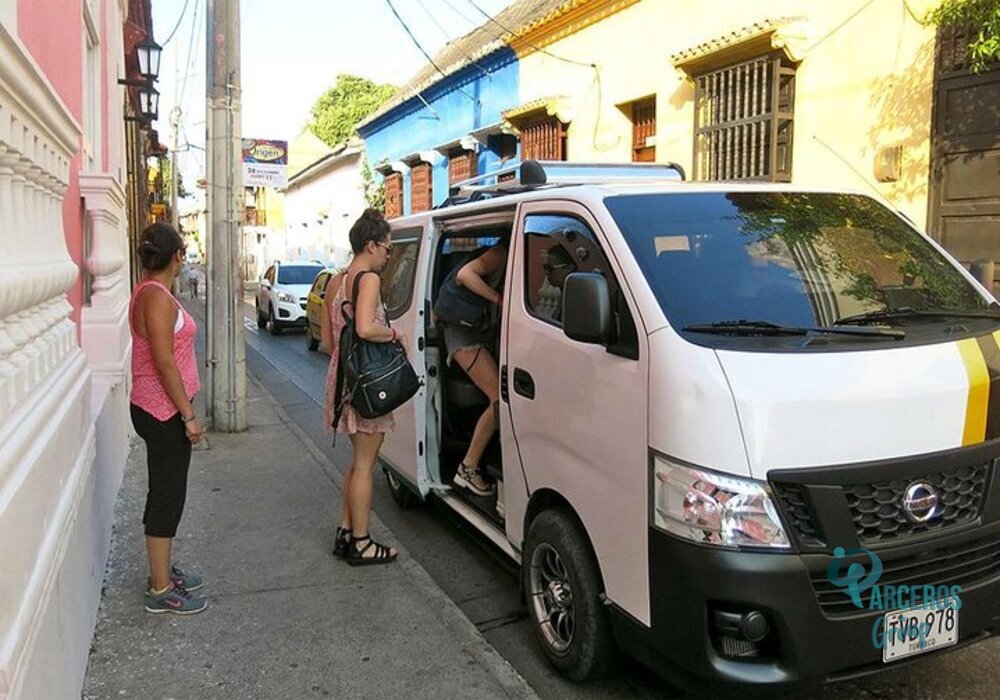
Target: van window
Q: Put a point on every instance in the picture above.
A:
(399, 275)
(557, 246)
(298, 274)
(788, 258)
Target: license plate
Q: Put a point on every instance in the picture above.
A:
(911, 632)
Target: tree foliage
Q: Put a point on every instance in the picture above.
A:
(983, 19)
(336, 113)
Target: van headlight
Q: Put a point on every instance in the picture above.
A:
(286, 297)
(712, 508)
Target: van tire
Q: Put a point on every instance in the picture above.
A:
(591, 649)
(311, 341)
(261, 320)
(403, 496)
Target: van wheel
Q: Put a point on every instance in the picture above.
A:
(403, 497)
(563, 587)
(311, 340)
(261, 320)
(272, 322)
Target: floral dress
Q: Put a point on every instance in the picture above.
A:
(350, 421)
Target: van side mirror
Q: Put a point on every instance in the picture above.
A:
(587, 308)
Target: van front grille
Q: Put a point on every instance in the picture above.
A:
(969, 564)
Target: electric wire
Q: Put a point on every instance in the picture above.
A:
(448, 36)
(176, 26)
(422, 50)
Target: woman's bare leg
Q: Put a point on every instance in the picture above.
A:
(359, 498)
(483, 372)
(158, 549)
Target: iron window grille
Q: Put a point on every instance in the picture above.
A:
(743, 121)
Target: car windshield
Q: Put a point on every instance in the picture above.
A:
(789, 258)
(298, 274)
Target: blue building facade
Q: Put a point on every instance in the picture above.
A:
(459, 116)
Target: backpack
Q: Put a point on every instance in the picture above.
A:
(378, 376)
(458, 306)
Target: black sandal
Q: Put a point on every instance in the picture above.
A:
(356, 557)
(341, 541)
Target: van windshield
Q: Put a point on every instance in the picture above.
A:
(793, 259)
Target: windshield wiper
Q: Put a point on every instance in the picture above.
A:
(910, 312)
(766, 328)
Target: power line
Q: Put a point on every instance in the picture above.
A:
(492, 19)
(423, 51)
(176, 26)
(444, 32)
(462, 14)
(193, 42)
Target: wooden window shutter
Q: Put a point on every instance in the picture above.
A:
(461, 165)
(393, 195)
(643, 127)
(544, 140)
(421, 188)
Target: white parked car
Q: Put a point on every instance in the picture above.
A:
(282, 294)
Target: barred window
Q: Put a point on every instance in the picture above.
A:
(421, 188)
(393, 195)
(544, 139)
(644, 130)
(461, 165)
(743, 121)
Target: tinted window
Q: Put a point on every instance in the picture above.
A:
(399, 273)
(802, 259)
(557, 246)
(298, 274)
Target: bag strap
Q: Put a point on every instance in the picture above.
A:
(354, 295)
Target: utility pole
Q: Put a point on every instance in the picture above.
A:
(175, 115)
(226, 351)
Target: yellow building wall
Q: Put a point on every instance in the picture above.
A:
(864, 82)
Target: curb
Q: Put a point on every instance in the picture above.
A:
(456, 622)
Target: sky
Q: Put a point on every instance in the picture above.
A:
(292, 51)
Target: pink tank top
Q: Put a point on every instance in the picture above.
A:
(148, 392)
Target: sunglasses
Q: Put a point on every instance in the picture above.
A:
(553, 268)
(387, 246)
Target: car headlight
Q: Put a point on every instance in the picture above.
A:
(286, 297)
(712, 508)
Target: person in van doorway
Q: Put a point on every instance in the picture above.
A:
(369, 237)
(482, 275)
(164, 383)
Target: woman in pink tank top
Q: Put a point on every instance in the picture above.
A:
(164, 382)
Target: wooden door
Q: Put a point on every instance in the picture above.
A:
(965, 156)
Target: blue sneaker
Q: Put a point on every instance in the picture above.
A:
(189, 582)
(174, 600)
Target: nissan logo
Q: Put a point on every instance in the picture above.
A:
(921, 502)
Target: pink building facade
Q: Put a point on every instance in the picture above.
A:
(64, 342)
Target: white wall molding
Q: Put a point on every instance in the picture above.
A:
(38, 139)
(104, 324)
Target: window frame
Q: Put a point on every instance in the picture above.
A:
(643, 128)
(393, 204)
(729, 114)
(401, 239)
(421, 200)
(625, 342)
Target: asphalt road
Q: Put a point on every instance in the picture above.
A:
(483, 582)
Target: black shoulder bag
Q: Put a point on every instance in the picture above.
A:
(458, 306)
(378, 376)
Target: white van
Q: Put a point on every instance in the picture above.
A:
(741, 381)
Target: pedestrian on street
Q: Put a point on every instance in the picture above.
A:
(369, 237)
(164, 382)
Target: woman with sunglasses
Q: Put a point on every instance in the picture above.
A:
(369, 237)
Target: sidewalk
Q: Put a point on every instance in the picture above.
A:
(285, 619)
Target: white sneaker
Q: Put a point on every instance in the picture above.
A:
(464, 478)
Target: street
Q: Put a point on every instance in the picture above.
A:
(483, 583)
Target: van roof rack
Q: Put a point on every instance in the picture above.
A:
(532, 174)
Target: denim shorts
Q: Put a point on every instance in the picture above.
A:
(462, 338)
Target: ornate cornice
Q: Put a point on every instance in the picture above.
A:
(566, 20)
(785, 34)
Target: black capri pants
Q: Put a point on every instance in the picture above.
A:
(168, 457)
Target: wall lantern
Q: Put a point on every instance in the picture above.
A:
(149, 102)
(149, 58)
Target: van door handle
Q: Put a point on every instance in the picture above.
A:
(523, 383)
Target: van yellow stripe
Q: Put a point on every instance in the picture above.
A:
(979, 391)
